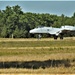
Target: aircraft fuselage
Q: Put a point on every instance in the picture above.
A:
(53, 31)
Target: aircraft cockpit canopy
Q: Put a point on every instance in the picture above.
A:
(40, 26)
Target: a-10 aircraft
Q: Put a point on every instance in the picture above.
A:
(55, 32)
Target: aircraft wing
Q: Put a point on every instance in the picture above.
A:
(55, 31)
(63, 29)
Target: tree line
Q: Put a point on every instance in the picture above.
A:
(13, 21)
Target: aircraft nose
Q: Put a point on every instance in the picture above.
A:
(31, 31)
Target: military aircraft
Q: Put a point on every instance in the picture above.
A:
(55, 32)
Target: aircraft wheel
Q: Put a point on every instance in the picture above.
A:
(55, 37)
(61, 37)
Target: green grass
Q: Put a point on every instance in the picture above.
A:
(37, 43)
(55, 46)
(7, 52)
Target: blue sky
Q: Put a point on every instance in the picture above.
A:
(57, 7)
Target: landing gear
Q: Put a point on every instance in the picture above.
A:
(61, 36)
(55, 37)
(39, 36)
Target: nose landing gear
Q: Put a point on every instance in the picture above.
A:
(39, 36)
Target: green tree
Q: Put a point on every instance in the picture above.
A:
(4, 32)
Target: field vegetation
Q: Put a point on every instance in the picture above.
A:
(33, 51)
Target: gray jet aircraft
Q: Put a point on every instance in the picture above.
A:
(55, 32)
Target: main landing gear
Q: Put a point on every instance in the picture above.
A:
(61, 36)
(56, 37)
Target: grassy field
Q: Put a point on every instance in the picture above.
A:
(38, 50)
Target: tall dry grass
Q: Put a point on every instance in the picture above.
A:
(60, 70)
(39, 50)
